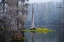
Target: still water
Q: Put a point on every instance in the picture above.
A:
(57, 36)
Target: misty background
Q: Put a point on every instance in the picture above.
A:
(50, 15)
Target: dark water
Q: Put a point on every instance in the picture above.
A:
(57, 36)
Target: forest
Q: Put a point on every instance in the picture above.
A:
(18, 15)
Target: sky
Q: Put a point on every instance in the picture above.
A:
(38, 1)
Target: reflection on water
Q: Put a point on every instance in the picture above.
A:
(41, 38)
(46, 40)
(49, 37)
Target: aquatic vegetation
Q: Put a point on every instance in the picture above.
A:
(40, 30)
